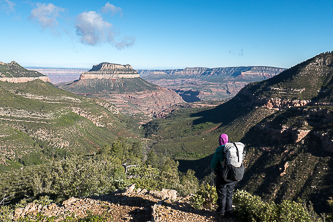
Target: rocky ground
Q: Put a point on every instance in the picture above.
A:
(128, 205)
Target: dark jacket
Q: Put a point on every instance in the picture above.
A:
(217, 158)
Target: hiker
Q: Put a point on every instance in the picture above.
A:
(225, 186)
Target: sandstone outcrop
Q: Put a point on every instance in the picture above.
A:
(110, 71)
(24, 79)
(95, 119)
(298, 129)
(273, 103)
(285, 166)
(107, 76)
(279, 103)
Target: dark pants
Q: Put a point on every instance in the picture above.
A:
(224, 192)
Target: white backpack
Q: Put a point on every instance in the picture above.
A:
(234, 153)
(232, 167)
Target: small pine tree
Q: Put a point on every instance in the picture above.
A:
(152, 159)
(137, 150)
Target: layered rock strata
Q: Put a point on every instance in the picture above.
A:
(208, 83)
(24, 79)
(108, 76)
(110, 71)
(272, 103)
(221, 71)
(310, 123)
(122, 86)
(149, 102)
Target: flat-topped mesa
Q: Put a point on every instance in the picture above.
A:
(110, 71)
(14, 73)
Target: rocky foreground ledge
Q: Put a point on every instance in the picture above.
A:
(127, 205)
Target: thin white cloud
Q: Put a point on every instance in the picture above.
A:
(92, 29)
(111, 8)
(8, 6)
(46, 15)
(124, 42)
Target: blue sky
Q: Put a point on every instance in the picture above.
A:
(160, 34)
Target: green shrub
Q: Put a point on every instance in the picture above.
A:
(6, 213)
(22, 204)
(252, 208)
(205, 197)
(43, 200)
(77, 176)
(89, 218)
(330, 202)
(96, 218)
(38, 218)
(189, 182)
(292, 211)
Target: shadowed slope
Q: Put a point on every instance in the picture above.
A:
(289, 142)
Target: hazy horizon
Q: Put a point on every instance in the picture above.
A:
(157, 68)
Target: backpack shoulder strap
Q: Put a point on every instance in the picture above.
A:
(223, 160)
(237, 151)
